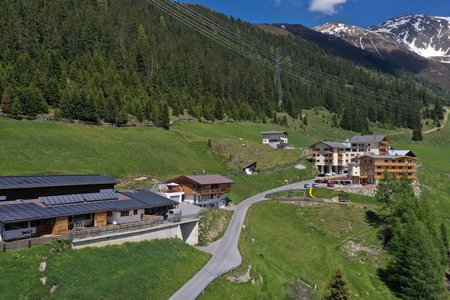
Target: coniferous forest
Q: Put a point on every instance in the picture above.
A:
(110, 61)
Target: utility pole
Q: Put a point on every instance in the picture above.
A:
(278, 76)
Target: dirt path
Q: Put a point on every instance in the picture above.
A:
(444, 122)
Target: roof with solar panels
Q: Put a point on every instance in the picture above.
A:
(19, 209)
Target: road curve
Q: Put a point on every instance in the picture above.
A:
(226, 256)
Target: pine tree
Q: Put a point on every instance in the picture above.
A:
(417, 134)
(6, 104)
(338, 287)
(164, 116)
(416, 270)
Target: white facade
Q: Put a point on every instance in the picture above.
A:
(336, 157)
(119, 217)
(175, 196)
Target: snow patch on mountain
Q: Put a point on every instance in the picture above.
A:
(427, 36)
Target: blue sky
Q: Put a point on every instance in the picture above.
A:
(314, 12)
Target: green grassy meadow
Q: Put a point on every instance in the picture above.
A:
(283, 241)
(142, 270)
(34, 147)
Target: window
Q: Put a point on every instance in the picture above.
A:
(386, 160)
(13, 226)
(109, 214)
(135, 211)
(125, 213)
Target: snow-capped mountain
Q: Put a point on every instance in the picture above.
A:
(416, 44)
(365, 39)
(426, 36)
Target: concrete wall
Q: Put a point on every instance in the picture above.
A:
(185, 230)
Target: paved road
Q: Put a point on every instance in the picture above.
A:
(226, 256)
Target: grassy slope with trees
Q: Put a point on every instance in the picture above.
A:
(121, 60)
(32, 137)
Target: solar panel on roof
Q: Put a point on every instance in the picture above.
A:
(9, 182)
(64, 199)
(100, 196)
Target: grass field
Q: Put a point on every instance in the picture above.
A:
(131, 271)
(282, 241)
(31, 147)
(247, 186)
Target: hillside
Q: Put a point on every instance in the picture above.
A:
(125, 60)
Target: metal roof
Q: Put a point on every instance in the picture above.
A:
(402, 153)
(384, 156)
(332, 144)
(367, 138)
(28, 211)
(209, 179)
(274, 132)
(23, 182)
(150, 199)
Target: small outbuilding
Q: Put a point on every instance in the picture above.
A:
(274, 137)
(250, 168)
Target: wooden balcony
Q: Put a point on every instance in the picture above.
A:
(212, 191)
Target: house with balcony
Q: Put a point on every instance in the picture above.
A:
(54, 204)
(203, 190)
(371, 168)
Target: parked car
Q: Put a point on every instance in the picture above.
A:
(174, 215)
(330, 184)
(306, 185)
(325, 181)
(318, 181)
(315, 185)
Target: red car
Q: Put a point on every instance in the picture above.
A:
(330, 184)
(318, 181)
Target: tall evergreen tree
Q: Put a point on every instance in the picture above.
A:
(416, 270)
(338, 288)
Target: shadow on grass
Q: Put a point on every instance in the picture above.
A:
(385, 275)
(373, 219)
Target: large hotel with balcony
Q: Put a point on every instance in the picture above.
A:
(364, 158)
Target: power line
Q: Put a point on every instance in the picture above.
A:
(176, 11)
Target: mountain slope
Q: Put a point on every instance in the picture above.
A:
(380, 42)
(427, 36)
(123, 60)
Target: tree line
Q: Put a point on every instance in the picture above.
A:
(116, 60)
(418, 244)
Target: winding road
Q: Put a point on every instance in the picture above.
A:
(226, 256)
